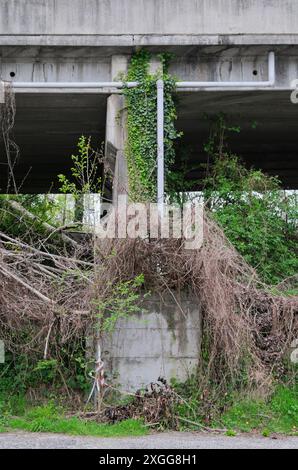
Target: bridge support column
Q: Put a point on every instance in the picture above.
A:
(116, 134)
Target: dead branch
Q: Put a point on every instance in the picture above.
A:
(46, 226)
(16, 278)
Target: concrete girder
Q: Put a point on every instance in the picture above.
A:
(143, 22)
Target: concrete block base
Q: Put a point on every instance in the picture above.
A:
(164, 341)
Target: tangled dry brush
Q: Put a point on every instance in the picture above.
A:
(49, 296)
(245, 325)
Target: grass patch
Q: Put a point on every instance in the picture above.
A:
(278, 415)
(2, 429)
(49, 418)
(78, 427)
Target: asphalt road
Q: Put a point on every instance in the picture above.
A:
(173, 440)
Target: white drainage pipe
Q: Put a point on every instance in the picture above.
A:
(160, 146)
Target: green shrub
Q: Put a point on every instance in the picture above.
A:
(257, 216)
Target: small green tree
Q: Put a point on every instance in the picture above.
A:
(122, 302)
(85, 178)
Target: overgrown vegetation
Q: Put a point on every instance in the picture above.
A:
(56, 292)
(258, 217)
(279, 414)
(141, 148)
(85, 176)
(45, 277)
(45, 209)
(123, 301)
(275, 412)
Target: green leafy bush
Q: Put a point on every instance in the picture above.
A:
(258, 217)
(123, 301)
(45, 208)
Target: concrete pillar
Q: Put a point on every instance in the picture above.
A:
(116, 133)
(163, 339)
(155, 65)
(116, 129)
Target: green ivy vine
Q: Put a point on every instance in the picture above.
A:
(141, 147)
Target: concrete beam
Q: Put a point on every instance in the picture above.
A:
(147, 18)
(60, 68)
(129, 42)
(249, 64)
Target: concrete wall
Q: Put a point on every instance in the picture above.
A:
(55, 69)
(163, 341)
(133, 22)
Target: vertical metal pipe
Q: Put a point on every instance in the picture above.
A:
(160, 146)
(271, 68)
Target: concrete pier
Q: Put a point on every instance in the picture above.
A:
(160, 341)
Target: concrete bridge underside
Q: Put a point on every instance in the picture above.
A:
(91, 40)
(268, 137)
(48, 126)
(47, 129)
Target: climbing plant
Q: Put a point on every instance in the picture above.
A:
(141, 103)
